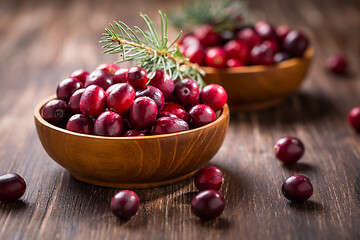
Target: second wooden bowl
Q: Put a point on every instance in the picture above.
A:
(132, 162)
(258, 87)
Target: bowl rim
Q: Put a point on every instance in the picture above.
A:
(224, 113)
(308, 55)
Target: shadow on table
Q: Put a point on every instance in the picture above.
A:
(300, 167)
(16, 206)
(307, 206)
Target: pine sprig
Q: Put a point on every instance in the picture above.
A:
(150, 49)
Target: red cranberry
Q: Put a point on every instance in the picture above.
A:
(196, 54)
(109, 124)
(249, 36)
(175, 109)
(93, 101)
(266, 31)
(74, 101)
(153, 93)
(281, 56)
(289, 149)
(200, 115)
(137, 77)
(121, 75)
(111, 88)
(214, 96)
(80, 75)
(166, 125)
(12, 187)
(230, 63)
(133, 133)
(81, 124)
(227, 36)
(262, 55)
(208, 204)
(100, 78)
(166, 114)
(354, 118)
(207, 35)
(110, 67)
(297, 188)
(143, 113)
(125, 204)
(282, 31)
(237, 50)
(215, 57)
(55, 112)
(67, 87)
(295, 43)
(337, 64)
(208, 177)
(121, 98)
(186, 92)
(190, 40)
(272, 45)
(163, 82)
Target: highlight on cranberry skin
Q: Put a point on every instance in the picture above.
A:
(354, 118)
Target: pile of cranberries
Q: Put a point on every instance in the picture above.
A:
(259, 45)
(114, 102)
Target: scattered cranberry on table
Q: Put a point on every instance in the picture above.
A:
(12, 187)
(297, 188)
(354, 118)
(208, 204)
(337, 64)
(125, 204)
(289, 149)
(209, 177)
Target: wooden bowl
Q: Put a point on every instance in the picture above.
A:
(259, 87)
(132, 162)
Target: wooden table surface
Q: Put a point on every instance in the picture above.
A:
(41, 42)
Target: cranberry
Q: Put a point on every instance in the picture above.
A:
(143, 113)
(214, 96)
(215, 57)
(121, 75)
(93, 101)
(272, 45)
(266, 31)
(237, 50)
(137, 77)
(12, 187)
(67, 87)
(249, 36)
(281, 56)
(289, 149)
(121, 98)
(209, 177)
(227, 36)
(109, 124)
(175, 109)
(262, 55)
(166, 125)
(80, 75)
(153, 93)
(100, 78)
(133, 133)
(109, 67)
(230, 63)
(190, 40)
(111, 88)
(207, 35)
(125, 204)
(282, 31)
(337, 64)
(196, 54)
(200, 115)
(186, 92)
(295, 43)
(55, 112)
(166, 114)
(81, 124)
(208, 204)
(297, 188)
(354, 118)
(74, 101)
(163, 82)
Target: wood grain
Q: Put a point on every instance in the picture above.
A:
(41, 42)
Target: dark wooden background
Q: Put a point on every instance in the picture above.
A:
(41, 42)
